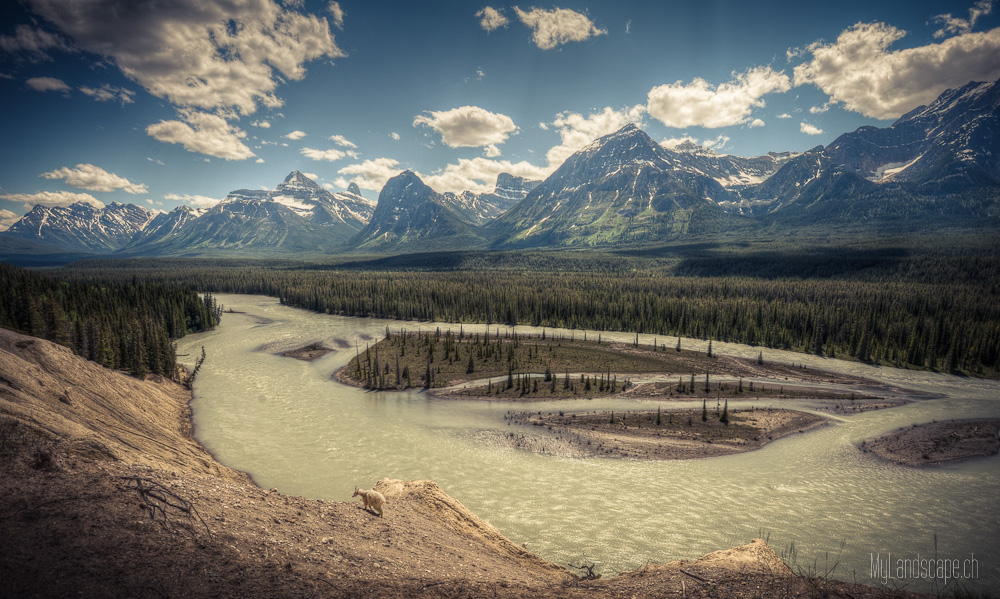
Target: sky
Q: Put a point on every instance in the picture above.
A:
(163, 103)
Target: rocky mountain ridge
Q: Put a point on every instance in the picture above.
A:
(937, 165)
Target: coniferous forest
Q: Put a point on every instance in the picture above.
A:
(128, 325)
(919, 312)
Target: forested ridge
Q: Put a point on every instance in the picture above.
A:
(127, 324)
(947, 325)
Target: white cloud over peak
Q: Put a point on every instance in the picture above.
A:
(331, 155)
(198, 201)
(203, 133)
(955, 25)
(491, 19)
(342, 141)
(8, 218)
(551, 28)
(810, 129)
(47, 84)
(674, 142)
(370, 174)
(94, 178)
(576, 130)
(108, 92)
(468, 126)
(861, 72)
(698, 103)
(198, 54)
(479, 174)
(295, 135)
(52, 198)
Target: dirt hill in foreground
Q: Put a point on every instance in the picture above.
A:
(104, 493)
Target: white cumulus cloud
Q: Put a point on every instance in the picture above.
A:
(370, 174)
(209, 55)
(674, 142)
(479, 174)
(342, 141)
(198, 201)
(203, 133)
(337, 14)
(394, 136)
(951, 25)
(860, 71)
(94, 178)
(491, 19)
(331, 155)
(756, 123)
(809, 129)
(699, 103)
(576, 130)
(109, 92)
(34, 42)
(468, 126)
(47, 84)
(295, 135)
(8, 218)
(551, 28)
(52, 198)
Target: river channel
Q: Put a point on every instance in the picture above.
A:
(820, 501)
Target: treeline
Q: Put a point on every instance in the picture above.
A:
(127, 325)
(951, 327)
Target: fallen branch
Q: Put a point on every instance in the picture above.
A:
(433, 584)
(158, 499)
(696, 577)
(589, 568)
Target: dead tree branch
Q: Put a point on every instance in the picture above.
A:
(160, 500)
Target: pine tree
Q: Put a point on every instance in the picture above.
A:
(704, 410)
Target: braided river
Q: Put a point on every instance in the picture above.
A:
(822, 504)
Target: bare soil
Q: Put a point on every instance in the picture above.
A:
(104, 493)
(936, 443)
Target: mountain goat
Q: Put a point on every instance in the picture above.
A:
(371, 499)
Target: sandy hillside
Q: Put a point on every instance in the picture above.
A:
(103, 493)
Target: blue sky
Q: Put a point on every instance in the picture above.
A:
(181, 101)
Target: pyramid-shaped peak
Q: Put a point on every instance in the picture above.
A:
(402, 181)
(630, 134)
(298, 178)
(353, 188)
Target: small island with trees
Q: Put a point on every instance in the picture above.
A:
(506, 365)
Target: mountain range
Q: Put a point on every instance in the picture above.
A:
(938, 165)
